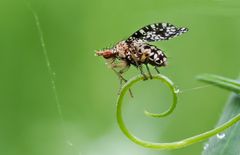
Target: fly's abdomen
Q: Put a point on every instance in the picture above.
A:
(146, 54)
(153, 55)
(157, 58)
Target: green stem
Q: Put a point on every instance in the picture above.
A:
(171, 145)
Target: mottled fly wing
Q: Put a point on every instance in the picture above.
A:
(156, 32)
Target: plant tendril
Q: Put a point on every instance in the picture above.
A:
(169, 145)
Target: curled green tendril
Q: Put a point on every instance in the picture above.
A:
(170, 145)
(174, 91)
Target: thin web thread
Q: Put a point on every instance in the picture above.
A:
(195, 88)
(50, 70)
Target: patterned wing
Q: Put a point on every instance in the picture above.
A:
(157, 32)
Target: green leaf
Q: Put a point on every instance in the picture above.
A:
(226, 83)
(228, 142)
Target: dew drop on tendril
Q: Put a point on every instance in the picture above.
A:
(176, 91)
(221, 135)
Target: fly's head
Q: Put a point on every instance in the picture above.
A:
(119, 51)
(109, 55)
(106, 53)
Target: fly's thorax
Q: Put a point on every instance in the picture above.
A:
(121, 49)
(137, 53)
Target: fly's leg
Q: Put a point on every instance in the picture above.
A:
(143, 74)
(122, 79)
(139, 66)
(157, 70)
(125, 66)
(150, 75)
(121, 84)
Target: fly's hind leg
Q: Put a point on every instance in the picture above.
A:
(143, 74)
(157, 70)
(150, 75)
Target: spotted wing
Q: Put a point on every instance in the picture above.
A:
(157, 32)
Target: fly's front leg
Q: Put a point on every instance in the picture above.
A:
(124, 67)
(121, 78)
(119, 73)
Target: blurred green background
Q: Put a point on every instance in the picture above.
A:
(30, 123)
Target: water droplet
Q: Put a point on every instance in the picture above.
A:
(176, 91)
(221, 135)
(206, 146)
